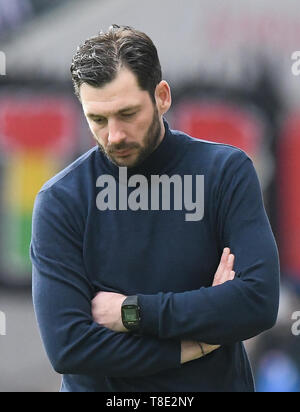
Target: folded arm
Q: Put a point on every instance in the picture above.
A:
(106, 310)
(62, 295)
(232, 311)
(235, 310)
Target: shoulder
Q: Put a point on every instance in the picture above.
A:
(210, 152)
(69, 173)
(65, 196)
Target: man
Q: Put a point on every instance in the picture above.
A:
(133, 280)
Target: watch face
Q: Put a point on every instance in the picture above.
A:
(130, 315)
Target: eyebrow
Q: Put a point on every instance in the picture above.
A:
(125, 109)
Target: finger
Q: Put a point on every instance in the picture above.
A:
(223, 262)
(229, 266)
(212, 348)
(208, 348)
(224, 257)
(225, 254)
(232, 275)
(227, 270)
(230, 262)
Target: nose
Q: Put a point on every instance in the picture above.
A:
(116, 134)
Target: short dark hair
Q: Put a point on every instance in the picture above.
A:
(98, 60)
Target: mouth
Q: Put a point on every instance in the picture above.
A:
(123, 153)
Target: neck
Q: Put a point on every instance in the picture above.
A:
(162, 133)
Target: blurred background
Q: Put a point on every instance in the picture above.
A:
(234, 78)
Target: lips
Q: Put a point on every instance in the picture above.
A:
(124, 152)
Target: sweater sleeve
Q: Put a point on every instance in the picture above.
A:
(62, 295)
(239, 309)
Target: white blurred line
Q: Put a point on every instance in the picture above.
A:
(2, 63)
(296, 325)
(296, 65)
(2, 323)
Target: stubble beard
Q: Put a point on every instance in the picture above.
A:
(150, 142)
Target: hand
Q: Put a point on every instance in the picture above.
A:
(106, 310)
(191, 350)
(224, 271)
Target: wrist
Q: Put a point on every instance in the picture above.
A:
(201, 347)
(130, 313)
(149, 308)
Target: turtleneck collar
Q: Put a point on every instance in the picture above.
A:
(157, 163)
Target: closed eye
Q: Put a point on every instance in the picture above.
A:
(128, 115)
(99, 120)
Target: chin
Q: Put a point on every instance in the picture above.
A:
(125, 162)
(131, 161)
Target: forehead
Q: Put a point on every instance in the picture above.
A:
(120, 93)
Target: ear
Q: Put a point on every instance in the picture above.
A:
(163, 97)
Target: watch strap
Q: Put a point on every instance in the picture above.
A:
(130, 300)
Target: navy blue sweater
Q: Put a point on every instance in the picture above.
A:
(165, 258)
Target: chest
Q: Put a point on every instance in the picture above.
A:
(148, 251)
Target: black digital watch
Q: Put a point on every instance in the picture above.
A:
(131, 313)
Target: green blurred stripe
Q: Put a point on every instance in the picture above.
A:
(15, 242)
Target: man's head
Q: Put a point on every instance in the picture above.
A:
(117, 78)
